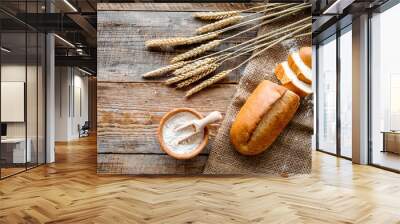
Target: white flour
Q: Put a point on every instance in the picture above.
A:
(170, 136)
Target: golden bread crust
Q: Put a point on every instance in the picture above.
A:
(297, 71)
(306, 55)
(287, 82)
(263, 117)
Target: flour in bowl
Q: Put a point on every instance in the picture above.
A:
(171, 137)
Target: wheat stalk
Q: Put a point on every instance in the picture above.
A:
(223, 74)
(259, 42)
(285, 11)
(197, 51)
(187, 75)
(219, 24)
(196, 78)
(269, 45)
(215, 15)
(195, 70)
(186, 69)
(190, 67)
(223, 15)
(208, 82)
(177, 41)
(162, 71)
(257, 39)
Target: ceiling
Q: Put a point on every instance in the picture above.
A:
(332, 15)
(74, 22)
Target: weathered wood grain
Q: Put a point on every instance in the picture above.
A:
(122, 56)
(129, 113)
(141, 164)
(129, 107)
(190, 7)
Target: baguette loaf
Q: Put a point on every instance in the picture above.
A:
(263, 117)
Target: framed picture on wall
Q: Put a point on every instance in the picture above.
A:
(12, 98)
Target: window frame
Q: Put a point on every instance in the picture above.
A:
(380, 9)
(339, 32)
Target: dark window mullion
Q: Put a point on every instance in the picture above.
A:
(316, 97)
(338, 74)
(37, 90)
(26, 87)
(369, 100)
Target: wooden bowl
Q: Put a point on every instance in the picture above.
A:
(164, 147)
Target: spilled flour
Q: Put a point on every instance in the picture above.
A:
(171, 137)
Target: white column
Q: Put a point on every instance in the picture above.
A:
(360, 90)
(50, 99)
(50, 92)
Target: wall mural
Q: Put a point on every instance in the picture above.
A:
(204, 89)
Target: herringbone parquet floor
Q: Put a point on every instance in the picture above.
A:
(69, 191)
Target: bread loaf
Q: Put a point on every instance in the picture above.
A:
(263, 117)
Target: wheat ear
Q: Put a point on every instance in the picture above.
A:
(208, 82)
(190, 67)
(177, 41)
(196, 78)
(215, 15)
(196, 51)
(162, 71)
(187, 75)
(219, 24)
(287, 11)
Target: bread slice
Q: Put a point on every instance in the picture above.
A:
(289, 80)
(306, 55)
(263, 117)
(300, 68)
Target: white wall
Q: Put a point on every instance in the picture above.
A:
(62, 81)
(33, 126)
(70, 83)
(14, 73)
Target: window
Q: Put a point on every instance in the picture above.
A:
(345, 92)
(385, 89)
(22, 77)
(327, 95)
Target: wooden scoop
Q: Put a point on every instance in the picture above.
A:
(170, 152)
(199, 125)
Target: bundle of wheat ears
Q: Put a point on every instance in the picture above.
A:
(193, 69)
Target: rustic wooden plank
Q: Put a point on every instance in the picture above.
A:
(122, 56)
(129, 113)
(190, 7)
(130, 108)
(148, 164)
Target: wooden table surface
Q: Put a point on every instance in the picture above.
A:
(129, 107)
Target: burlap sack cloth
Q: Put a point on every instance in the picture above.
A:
(291, 152)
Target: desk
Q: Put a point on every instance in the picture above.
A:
(391, 141)
(17, 147)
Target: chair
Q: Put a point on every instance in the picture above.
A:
(84, 130)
